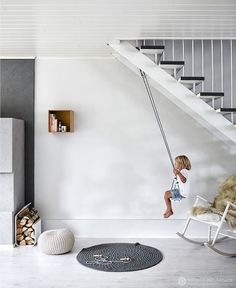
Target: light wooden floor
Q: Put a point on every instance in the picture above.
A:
(184, 265)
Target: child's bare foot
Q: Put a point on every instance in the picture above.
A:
(168, 214)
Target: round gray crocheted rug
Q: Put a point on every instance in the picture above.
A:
(119, 257)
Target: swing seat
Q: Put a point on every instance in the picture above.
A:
(176, 192)
(218, 228)
(177, 199)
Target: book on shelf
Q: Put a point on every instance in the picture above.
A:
(55, 125)
(53, 122)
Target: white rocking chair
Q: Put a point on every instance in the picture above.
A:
(220, 224)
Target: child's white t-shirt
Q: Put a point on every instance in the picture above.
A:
(184, 187)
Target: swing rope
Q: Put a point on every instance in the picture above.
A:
(156, 115)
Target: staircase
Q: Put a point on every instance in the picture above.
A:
(183, 90)
(173, 67)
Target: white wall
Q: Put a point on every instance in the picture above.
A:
(115, 166)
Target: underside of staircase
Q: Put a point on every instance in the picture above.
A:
(162, 76)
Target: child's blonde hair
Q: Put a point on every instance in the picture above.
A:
(183, 161)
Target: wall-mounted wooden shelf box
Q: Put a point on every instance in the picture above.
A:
(63, 117)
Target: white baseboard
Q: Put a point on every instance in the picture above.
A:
(126, 228)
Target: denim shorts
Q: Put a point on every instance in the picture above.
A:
(175, 195)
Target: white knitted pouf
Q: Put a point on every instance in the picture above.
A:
(54, 242)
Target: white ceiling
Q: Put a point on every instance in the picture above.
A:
(81, 28)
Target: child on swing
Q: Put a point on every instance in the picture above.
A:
(181, 168)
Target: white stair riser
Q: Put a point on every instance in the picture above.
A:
(209, 97)
(152, 51)
(169, 71)
(172, 67)
(225, 112)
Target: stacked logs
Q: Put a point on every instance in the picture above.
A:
(25, 234)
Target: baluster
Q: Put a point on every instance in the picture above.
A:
(155, 56)
(183, 54)
(212, 73)
(192, 57)
(194, 85)
(222, 72)
(202, 44)
(173, 50)
(164, 52)
(231, 79)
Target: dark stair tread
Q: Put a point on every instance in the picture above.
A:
(159, 47)
(163, 62)
(211, 94)
(227, 110)
(192, 78)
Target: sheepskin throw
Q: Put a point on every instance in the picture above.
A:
(227, 192)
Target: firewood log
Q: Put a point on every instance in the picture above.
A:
(23, 242)
(23, 222)
(24, 229)
(29, 242)
(35, 217)
(19, 231)
(24, 212)
(33, 211)
(28, 238)
(19, 237)
(29, 223)
(27, 233)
